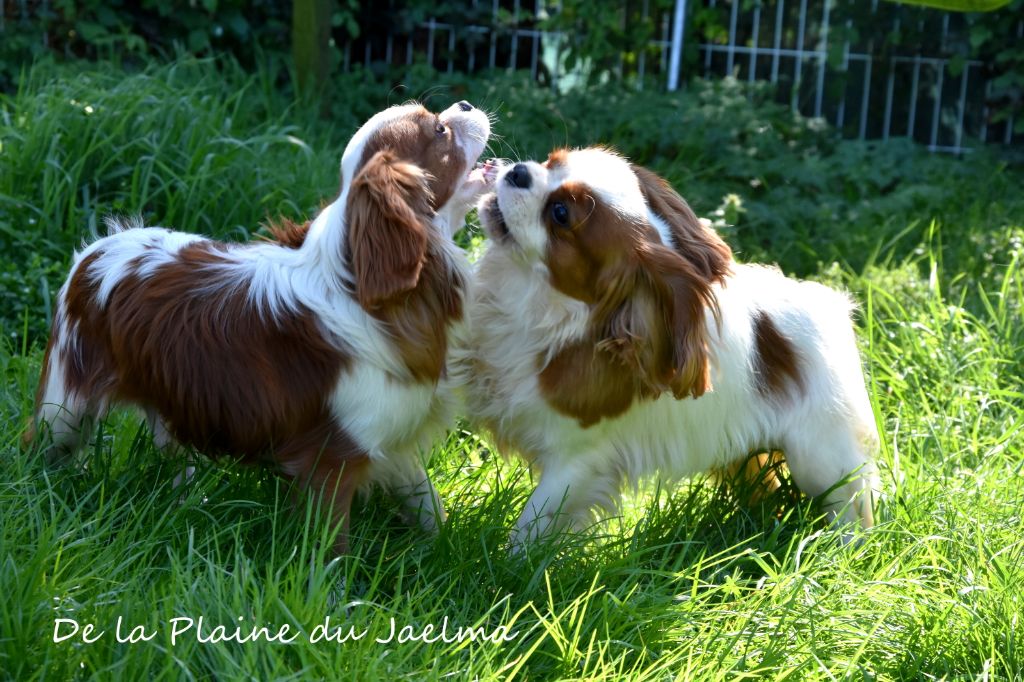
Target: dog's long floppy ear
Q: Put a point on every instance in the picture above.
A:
(388, 221)
(698, 244)
(653, 319)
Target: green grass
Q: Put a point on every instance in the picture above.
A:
(686, 584)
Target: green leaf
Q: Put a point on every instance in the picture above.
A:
(198, 40)
(92, 32)
(979, 34)
(956, 64)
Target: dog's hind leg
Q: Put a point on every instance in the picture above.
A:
(327, 464)
(166, 443)
(63, 416)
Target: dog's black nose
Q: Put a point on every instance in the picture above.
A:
(465, 106)
(519, 176)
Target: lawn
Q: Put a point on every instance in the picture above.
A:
(685, 583)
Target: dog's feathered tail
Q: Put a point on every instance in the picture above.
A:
(119, 223)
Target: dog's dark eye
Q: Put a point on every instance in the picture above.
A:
(560, 214)
(440, 129)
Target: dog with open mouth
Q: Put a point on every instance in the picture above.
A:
(324, 357)
(611, 336)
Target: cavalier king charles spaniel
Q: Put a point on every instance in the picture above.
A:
(324, 357)
(611, 336)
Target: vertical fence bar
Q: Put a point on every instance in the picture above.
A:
(752, 66)
(535, 51)
(823, 49)
(557, 39)
(620, 67)
(514, 57)
(937, 110)
(889, 87)
(984, 111)
(665, 41)
(389, 48)
(641, 61)
(494, 35)
(408, 50)
(367, 51)
(677, 45)
(866, 95)
(731, 54)
(961, 109)
(1008, 134)
(777, 41)
(845, 68)
(914, 83)
(472, 47)
(707, 52)
(798, 69)
(451, 49)
(430, 42)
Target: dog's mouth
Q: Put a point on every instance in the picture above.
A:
(493, 219)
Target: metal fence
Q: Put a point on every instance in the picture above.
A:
(932, 97)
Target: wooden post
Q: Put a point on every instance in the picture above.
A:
(311, 34)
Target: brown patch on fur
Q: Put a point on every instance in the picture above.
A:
(776, 365)
(401, 277)
(700, 245)
(414, 139)
(287, 232)
(187, 344)
(589, 384)
(647, 332)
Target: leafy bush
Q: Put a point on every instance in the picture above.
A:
(121, 30)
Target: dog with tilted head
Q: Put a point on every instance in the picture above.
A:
(324, 357)
(611, 336)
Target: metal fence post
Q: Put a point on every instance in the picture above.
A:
(679, 22)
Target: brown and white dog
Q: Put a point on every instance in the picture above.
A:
(612, 336)
(326, 359)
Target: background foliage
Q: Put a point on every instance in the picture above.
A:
(782, 182)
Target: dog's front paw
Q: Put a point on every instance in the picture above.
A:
(478, 182)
